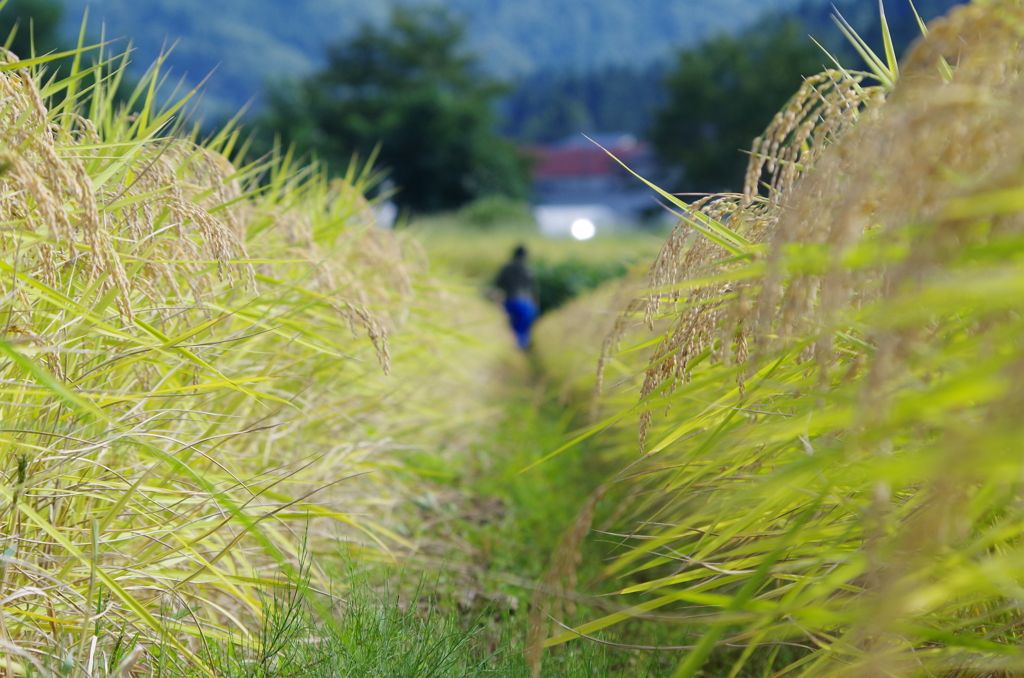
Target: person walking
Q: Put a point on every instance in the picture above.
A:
(520, 288)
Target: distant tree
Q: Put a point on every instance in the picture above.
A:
(412, 88)
(548, 106)
(722, 94)
(28, 21)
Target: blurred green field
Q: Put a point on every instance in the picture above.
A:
(457, 247)
(460, 249)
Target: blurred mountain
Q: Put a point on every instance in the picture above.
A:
(245, 42)
(550, 104)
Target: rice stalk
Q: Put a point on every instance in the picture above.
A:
(839, 472)
(193, 359)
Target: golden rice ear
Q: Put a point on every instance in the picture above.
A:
(138, 360)
(817, 117)
(947, 37)
(818, 114)
(875, 332)
(824, 108)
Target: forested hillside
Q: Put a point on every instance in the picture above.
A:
(247, 41)
(550, 104)
(568, 76)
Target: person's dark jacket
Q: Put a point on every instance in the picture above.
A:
(516, 280)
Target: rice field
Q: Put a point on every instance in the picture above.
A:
(826, 479)
(208, 370)
(786, 442)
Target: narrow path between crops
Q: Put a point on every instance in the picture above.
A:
(490, 532)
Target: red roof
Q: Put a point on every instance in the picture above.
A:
(582, 161)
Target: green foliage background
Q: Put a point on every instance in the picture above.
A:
(722, 94)
(28, 19)
(412, 96)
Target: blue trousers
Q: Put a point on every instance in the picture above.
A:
(522, 312)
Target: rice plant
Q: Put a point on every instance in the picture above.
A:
(829, 473)
(193, 371)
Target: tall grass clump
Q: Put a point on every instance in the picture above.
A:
(379, 631)
(193, 360)
(830, 471)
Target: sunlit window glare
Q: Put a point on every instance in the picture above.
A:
(583, 229)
